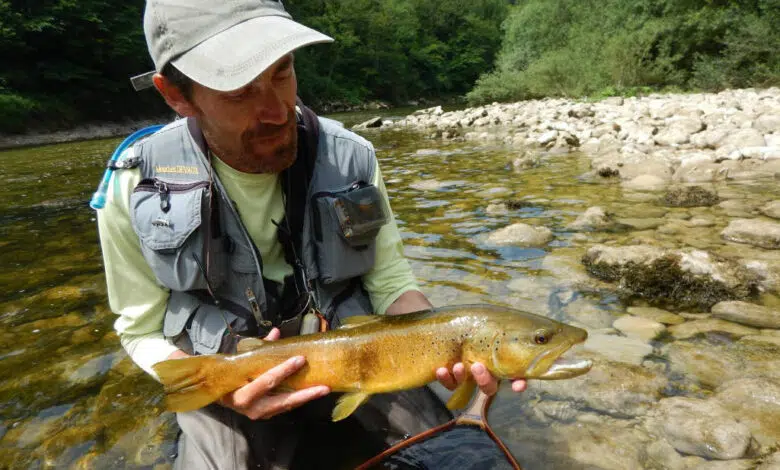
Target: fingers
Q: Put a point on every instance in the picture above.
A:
(485, 380)
(519, 385)
(268, 381)
(273, 405)
(253, 400)
(273, 335)
(451, 380)
(459, 371)
(445, 378)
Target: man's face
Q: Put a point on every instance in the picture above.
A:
(253, 128)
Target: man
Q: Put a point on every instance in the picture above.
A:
(220, 226)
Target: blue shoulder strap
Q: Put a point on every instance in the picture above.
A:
(99, 198)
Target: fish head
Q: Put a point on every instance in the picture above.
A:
(523, 345)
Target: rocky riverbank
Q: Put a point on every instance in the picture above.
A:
(686, 372)
(86, 132)
(646, 142)
(681, 151)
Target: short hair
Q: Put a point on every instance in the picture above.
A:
(178, 79)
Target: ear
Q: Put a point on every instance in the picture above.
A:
(173, 96)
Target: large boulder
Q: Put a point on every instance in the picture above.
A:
(686, 279)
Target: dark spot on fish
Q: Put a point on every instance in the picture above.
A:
(368, 361)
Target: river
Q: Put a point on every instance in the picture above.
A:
(71, 398)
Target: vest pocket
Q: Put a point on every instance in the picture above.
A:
(205, 325)
(166, 217)
(346, 224)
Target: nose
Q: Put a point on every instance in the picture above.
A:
(269, 105)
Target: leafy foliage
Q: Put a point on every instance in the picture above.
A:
(72, 58)
(589, 47)
(68, 61)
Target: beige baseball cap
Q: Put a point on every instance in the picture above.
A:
(222, 44)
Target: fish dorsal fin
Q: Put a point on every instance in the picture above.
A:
(357, 320)
(249, 344)
(462, 394)
(348, 403)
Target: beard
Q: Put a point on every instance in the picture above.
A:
(270, 148)
(264, 148)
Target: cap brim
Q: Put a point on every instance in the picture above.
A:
(234, 57)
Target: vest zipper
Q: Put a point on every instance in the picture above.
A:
(354, 186)
(164, 189)
(149, 185)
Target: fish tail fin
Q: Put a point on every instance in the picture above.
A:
(193, 382)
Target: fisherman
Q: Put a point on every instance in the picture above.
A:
(252, 217)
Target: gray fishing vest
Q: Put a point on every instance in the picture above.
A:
(195, 243)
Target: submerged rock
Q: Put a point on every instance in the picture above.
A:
(522, 235)
(772, 210)
(591, 442)
(618, 389)
(686, 279)
(741, 464)
(638, 327)
(771, 462)
(700, 427)
(690, 196)
(656, 314)
(660, 455)
(594, 218)
(710, 363)
(754, 232)
(756, 403)
(693, 328)
(630, 350)
(747, 314)
(646, 183)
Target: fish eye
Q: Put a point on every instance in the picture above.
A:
(542, 337)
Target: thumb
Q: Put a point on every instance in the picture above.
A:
(273, 335)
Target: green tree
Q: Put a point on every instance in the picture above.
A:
(584, 47)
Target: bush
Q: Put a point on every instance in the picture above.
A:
(499, 86)
(17, 113)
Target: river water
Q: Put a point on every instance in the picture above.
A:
(71, 398)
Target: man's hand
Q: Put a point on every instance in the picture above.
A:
(254, 399)
(485, 380)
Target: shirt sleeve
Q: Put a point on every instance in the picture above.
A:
(391, 275)
(133, 291)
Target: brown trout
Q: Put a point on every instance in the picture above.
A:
(380, 353)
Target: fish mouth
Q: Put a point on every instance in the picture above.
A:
(561, 367)
(564, 368)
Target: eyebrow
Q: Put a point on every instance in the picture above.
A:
(287, 61)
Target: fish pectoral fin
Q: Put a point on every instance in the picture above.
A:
(462, 395)
(249, 344)
(357, 320)
(348, 403)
